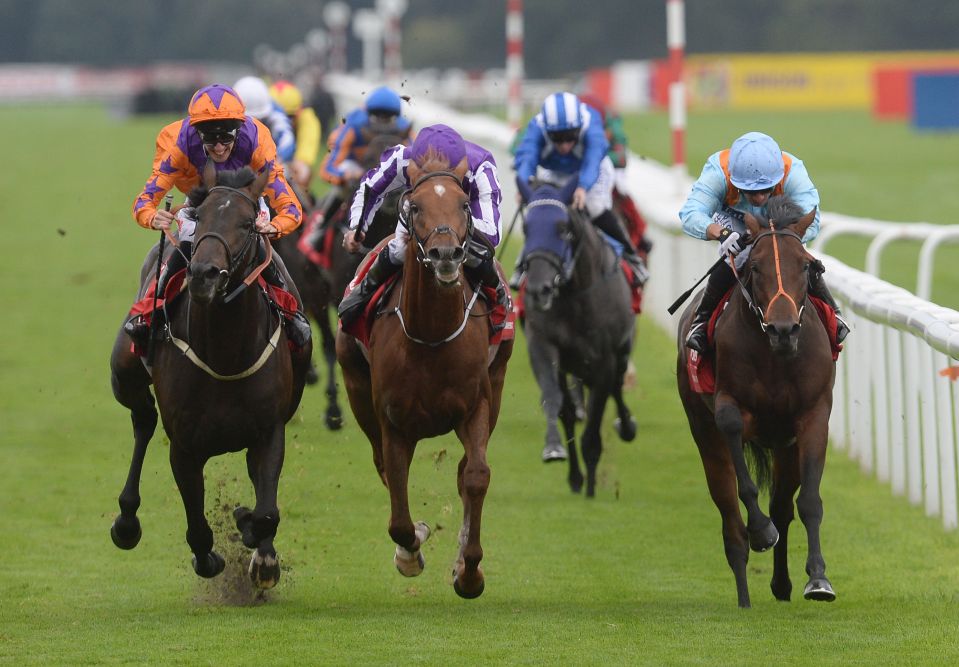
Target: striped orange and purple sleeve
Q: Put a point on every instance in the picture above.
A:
(279, 194)
(169, 167)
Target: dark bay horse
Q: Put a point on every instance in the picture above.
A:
(322, 289)
(429, 370)
(774, 375)
(579, 321)
(224, 378)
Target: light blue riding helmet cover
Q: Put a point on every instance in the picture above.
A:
(561, 112)
(755, 162)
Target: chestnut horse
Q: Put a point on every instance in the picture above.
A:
(430, 370)
(224, 377)
(774, 375)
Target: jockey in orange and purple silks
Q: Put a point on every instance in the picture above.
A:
(218, 129)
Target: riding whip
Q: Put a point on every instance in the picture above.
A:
(168, 202)
(685, 295)
(502, 248)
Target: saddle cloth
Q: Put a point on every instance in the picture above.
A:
(699, 367)
(176, 285)
(501, 318)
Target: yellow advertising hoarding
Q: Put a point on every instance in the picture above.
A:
(791, 81)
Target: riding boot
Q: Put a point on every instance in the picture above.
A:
(298, 330)
(485, 272)
(353, 304)
(516, 279)
(720, 280)
(319, 230)
(818, 289)
(610, 224)
(137, 328)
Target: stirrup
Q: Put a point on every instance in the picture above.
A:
(842, 329)
(298, 330)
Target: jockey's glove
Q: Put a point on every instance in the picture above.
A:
(730, 242)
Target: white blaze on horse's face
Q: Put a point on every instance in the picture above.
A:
(439, 189)
(224, 206)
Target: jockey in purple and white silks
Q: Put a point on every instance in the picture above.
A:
(567, 140)
(480, 183)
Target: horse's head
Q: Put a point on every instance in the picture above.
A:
(549, 232)
(778, 271)
(226, 237)
(436, 211)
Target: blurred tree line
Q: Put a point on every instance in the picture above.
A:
(561, 36)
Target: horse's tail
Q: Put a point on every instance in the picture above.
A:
(759, 460)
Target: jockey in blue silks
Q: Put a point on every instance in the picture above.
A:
(736, 181)
(567, 140)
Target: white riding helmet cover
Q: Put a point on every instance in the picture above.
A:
(755, 162)
(255, 96)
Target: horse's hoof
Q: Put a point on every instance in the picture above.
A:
(576, 484)
(625, 432)
(465, 594)
(126, 533)
(820, 590)
(334, 420)
(409, 564)
(782, 591)
(209, 566)
(311, 377)
(765, 539)
(264, 570)
(554, 452)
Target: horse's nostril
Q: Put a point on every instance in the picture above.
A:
(458, 255)
(211, 273)
(434, 254)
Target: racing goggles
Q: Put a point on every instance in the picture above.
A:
(564, 136)
(225, 137)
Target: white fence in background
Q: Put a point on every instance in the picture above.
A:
(895, 407)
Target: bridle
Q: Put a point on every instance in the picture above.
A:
(233, 261)
(773, 233)
(406, 217)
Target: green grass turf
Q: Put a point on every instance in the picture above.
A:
(635, 576)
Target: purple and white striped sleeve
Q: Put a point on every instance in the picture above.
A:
(485, 198)
(379, 182)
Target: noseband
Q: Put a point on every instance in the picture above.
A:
(406, 219)
(233, 262)
(780, 292)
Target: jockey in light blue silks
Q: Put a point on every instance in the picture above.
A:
(736, 181)
(567, 140)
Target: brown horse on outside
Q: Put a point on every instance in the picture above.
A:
(774, 376)
(428, 370)
(224, 377)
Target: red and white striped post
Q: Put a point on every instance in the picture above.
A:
(392, 11)
(514, 62)
(676, 42)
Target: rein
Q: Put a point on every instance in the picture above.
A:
(233, 263)
(405, 218)
(423, 259)
(780, 292)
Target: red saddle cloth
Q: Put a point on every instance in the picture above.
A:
(321, 257)
(502, 318)
(176, 285)
(699, 367)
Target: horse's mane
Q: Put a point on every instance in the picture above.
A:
(237, 178)
(782, 210)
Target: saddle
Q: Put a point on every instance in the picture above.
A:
(283, 301)
(699, 367)
(501, 319)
